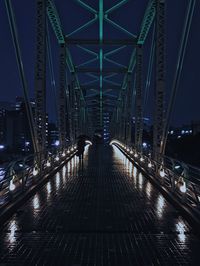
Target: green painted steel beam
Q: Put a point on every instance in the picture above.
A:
(115, 51)
(112, 82)
(84, 26)
(147, 21)
(114, 62)
(89, 51)
(119, 27)
(132, 62)
(118, 5)
(109, 76)
(55, 21)
(86, 6)
(93, 75)
(101, 18)
(87, 62)
(89, 82)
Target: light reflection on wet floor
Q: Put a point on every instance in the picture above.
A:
(101, 195)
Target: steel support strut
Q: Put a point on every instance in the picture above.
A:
(159, 115)
(40, 76)
(138, 100)
(29, 111)
(129, 110)
(62, 98)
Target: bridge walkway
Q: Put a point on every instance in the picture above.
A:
(104, 212)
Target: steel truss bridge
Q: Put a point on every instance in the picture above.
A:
(94, 88)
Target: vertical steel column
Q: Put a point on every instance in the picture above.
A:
(124, 112)
(82, 117)
(138, 100)
(72, 108)
(40, 76)
(77, 112)
(159, 115)
(62, 98)
(120, 118)
(69, 113)
(129, 110)
(117, 124)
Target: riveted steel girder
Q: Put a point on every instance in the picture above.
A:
(55, 21)
(147, 22)
(62, 98)
(159, 115)
(129, 110)
(138, 100)
(40, 75)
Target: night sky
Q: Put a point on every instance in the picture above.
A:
(129, 16)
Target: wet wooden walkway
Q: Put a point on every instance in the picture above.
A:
(102, 212)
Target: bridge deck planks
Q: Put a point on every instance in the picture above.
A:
(103, 212)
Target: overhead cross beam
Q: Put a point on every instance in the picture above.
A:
(130, 41)
(147, 22)
(100, 71)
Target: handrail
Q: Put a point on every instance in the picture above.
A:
(22, 173)
(180, 179)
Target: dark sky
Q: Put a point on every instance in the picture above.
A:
(129, 16)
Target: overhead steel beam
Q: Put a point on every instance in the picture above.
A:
(92, 87)
(98, 71)
(71, 41)
(147, 22)
(116, 6)
(55, 21)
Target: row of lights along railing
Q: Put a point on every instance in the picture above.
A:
(187, 189)
(13, 182)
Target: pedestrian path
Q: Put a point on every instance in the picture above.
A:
(102, 212)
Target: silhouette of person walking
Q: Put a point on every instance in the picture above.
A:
(81, 147)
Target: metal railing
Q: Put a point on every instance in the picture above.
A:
(20, 175)
(180, 179)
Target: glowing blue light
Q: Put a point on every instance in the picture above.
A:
(56, 143)
(144, 144)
